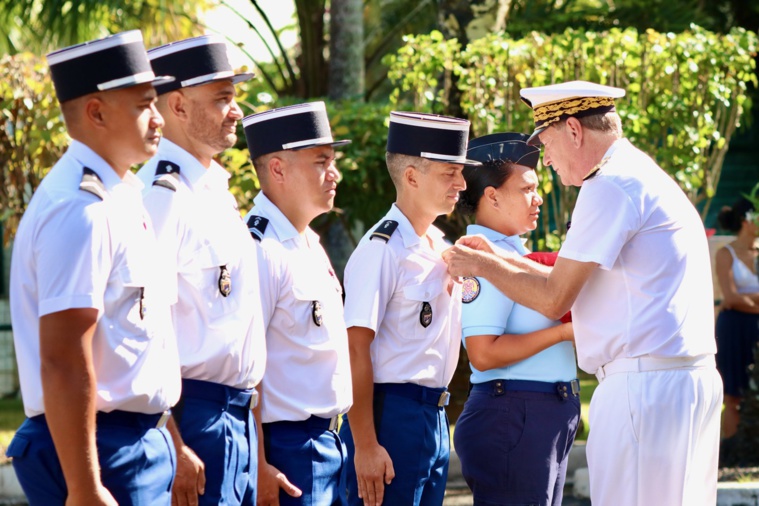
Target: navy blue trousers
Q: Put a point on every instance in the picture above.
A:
(137, 461)
(217, 423)
(311, 456)
(414, 431)
(514, 445)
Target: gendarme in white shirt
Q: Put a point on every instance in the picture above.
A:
(652, 294)
(386, 286)
(220, 338)
(308, 368)
(74, 250)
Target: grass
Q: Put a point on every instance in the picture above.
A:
(588, 384)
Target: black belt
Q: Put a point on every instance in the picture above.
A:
(313, 422)
(439, 397)
(561, 388)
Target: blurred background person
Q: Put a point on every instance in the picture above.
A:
(520, 420)
(737, 326)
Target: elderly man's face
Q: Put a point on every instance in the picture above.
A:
(557, 152)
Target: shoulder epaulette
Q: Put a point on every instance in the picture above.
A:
(166, 175)
(92, 183)
(257, 226)
(384, 231)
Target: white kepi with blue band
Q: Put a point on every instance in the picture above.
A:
(293, 127)
(430, 136)
(115, 62)
(194, 62)
(556, 102)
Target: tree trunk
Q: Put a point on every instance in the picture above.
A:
(346, 50)
(311, 61)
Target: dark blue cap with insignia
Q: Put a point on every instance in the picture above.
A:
(293, 127)
(194, 62)
(115, 62)
(508, 147)
(430, 136)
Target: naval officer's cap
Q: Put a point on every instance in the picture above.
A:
(430, 136)
(504, 147)
(556, 102)
(115, 62)
(194, 62)
(293, 127)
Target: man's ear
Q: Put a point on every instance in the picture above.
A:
(575, 132)
(410, 175)
(94, 112)
(276, 169)
(176, 103)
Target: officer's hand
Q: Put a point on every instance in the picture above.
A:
(270, 481)
(463, 261)
(190, 480)
(374, 470)
(98, 497)
(478, 242)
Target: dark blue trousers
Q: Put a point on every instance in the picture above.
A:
(414, 430)
(137, 461)
(217, 423)
(311, 456)
(514, 444)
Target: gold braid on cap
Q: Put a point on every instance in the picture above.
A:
(548, 114)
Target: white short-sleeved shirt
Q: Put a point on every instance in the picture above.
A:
(76, 250)
(386, 288)
(652, 294)
(220, 338)
(308, 370)
(492, 313)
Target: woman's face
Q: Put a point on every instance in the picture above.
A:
(517, 202)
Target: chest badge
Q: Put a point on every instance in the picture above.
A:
(470, 289)
(316, 313)
(225, 281)
(425, 316)
(143, 306)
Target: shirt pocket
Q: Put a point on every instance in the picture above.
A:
(419, 310)
(134, 309)
(311, 310)
(215, 276)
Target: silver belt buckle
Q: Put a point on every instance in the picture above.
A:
(444, 398)
(333, 423)
(163, 420)
(254, 399)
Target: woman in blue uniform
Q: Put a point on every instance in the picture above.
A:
(518, 425)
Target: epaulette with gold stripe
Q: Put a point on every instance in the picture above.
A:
(384, 230)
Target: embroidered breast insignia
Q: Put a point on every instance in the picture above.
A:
(316, 313)
(384, 230)
(167, 175)
(425, 316)
(225, 281)
(257, 226)
(470, 289)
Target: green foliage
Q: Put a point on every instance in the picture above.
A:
(32, 134)
(686, 93)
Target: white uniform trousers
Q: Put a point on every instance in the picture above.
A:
(654, 438)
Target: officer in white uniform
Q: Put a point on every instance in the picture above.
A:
(307, 382)
(403, 313)
(91, 324)
(216, 310)
(635, 271)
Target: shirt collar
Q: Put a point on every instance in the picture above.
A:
(190, 168)
(408, 234)
(277, 219)
(514, 242)
(90, 159)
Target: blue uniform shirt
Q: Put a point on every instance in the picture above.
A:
(492, 313)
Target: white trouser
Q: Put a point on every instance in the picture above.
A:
(654, 435)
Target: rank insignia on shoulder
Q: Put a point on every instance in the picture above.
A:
(470, 289)
(92, 183)
(166, 175)
(225, 281)
(257, 226)
(316, 313)
(425, 316)
(384, 230)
